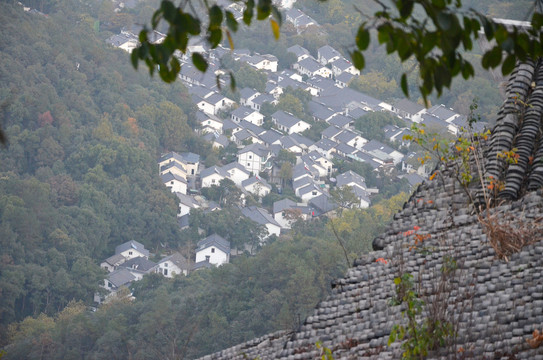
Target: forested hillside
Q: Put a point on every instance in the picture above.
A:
(78, 175)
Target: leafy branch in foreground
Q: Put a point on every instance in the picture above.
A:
(436, 39)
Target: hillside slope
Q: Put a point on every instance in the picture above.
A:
(489, 307)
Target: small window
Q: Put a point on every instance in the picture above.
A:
(213, 250)
(250, 157)
(130, 253)
(192, 172)
(165, 272)
(208, 257)
(248, 164)
(314, 193)
(171, 182)
(213, 181)
(109, 284)
(166, 264)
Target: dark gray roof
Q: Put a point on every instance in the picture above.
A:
(183, 221)
(281, 205)
(257, 130)
(346, 149)
(186, 200)
(342, 64)
(348, 177)
(310, 64)
(345, 77)
(179, 260)
(340, 120)
(211, 170)
(252, 180)
(205, 264)
(258, 215)
(132, 244)
(302, 140)
(244, 135)
(434, 123)
(246, 93)
(118, 39)
(320, 111)
(323, 203)
(270, 136)
(328, 52)
(229, 125)
(235, 165)
(285, 119)
(326, 144)
(115, 260)
(309, 188)
(120, 277)
(214, 240)
(216, 137)
(200, 91)
(303, 182)
(298, 50)
(263, 98)
(356, 112)
(408, 106)
(414, 179)
(171, 155)
(367, 158)
(139, 264)
(331, 131)
(242, 111)
(441, 112)
(375, 145)
(345, 136)
(167, 177)
(258, 149)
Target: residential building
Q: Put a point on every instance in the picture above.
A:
(214, 250)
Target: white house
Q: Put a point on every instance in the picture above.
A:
(112, 263)
(263, 62)
(257, 186)
(139, 266)
(247, 114)
(174, 182)
(236, 172)
(311, 67)
(289, 123)
(286, 212)
(174, 168)
(115, 281)
(132, 249)
(186, 204)
(262, 217)
(212, 176)
(341, 65)
(357, 183)
(327, 54)
(309, 192)
(213, 249)
(300, 52)
(175, 264)
(255, 158)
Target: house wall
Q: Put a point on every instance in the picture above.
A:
(237, 176)
(183, 210)
(207, 107)
(132, 253)
(175, 170)
(108, 267)
(213, 179)
(273, 229)
(251, 162)
(216, 256)
(258, 189)
(176, 186)
(310, 195)
(169, 269)
(300, 127)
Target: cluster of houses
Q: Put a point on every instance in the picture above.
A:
(131, 263)
(224, 121)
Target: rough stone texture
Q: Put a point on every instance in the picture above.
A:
(495, 305)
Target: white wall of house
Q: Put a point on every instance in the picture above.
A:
(213, 179)
(169, 269)
(181, 172)
(207, 107)
(255, 118)
(258, 189)
(177, 186)
(324, 72)
(216, 256)
(237, 176)
(273, 229)
(132, 253)
(310, 195)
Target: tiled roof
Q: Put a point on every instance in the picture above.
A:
(214, 240)
(132, 244)
(495, 304)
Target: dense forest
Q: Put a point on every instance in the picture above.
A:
(78, 176)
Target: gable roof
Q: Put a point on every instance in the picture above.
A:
(258, 215)
(179, 260)
(257, 149)
(283, 204)
(270, 136)
(120, 277)
(235, 165)
(298, 50)
(285, 119)
(212, 170)
(140, 263)
(408, 106)
(253, 180)
(132, 244)
(167, 177)
(349, 177)
(214, 240)
(310, 64)
(328, 52)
